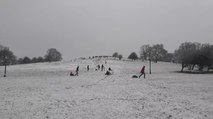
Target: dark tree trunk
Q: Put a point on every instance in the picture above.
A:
(193, 66)
(182, 67)
(5, 70)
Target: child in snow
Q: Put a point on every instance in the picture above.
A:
(98, 67)
(87, 67)
(142, 72)
(71, 74)
(102, 67)
(108, 73)
(77, 69)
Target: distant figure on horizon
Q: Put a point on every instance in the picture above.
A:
(102, 67)
(77, 69)
(99, 67)
(142, 72)
(87, 67)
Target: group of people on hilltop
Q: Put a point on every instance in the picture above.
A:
(108, 72)
(102, 68)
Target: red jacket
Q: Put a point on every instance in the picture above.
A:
(143, 69)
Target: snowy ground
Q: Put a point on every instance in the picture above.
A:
(45, 91)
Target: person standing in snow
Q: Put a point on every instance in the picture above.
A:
(87, 67)
(77, 69)
(102, 67)
(98, 67)
(142, 72)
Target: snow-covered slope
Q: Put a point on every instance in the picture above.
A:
(46, 91)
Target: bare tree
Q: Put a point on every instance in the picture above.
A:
(190, 54)
(53, 55)
(144, 52)
(158, 52)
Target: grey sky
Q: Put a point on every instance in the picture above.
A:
(100, 27)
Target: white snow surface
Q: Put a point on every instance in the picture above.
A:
(46, 91)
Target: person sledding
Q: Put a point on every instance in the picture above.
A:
(72, 74)
(109, 72)
(142, 72)
(76, 72)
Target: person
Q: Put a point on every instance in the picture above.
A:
(77, 69)
(108, 73)
(71, 74)
(87, 67)
(98, 67)
(102, 67)
(142, 72)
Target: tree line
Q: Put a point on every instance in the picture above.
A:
(7, 57)
(189, 55)
(194, 54)
(147, 52)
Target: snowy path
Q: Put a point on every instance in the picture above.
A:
(45, 91)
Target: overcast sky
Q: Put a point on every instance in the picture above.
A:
(82, 28)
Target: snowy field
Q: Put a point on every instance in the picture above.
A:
(46, 91)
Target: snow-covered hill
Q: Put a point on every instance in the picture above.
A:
(46, 91)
